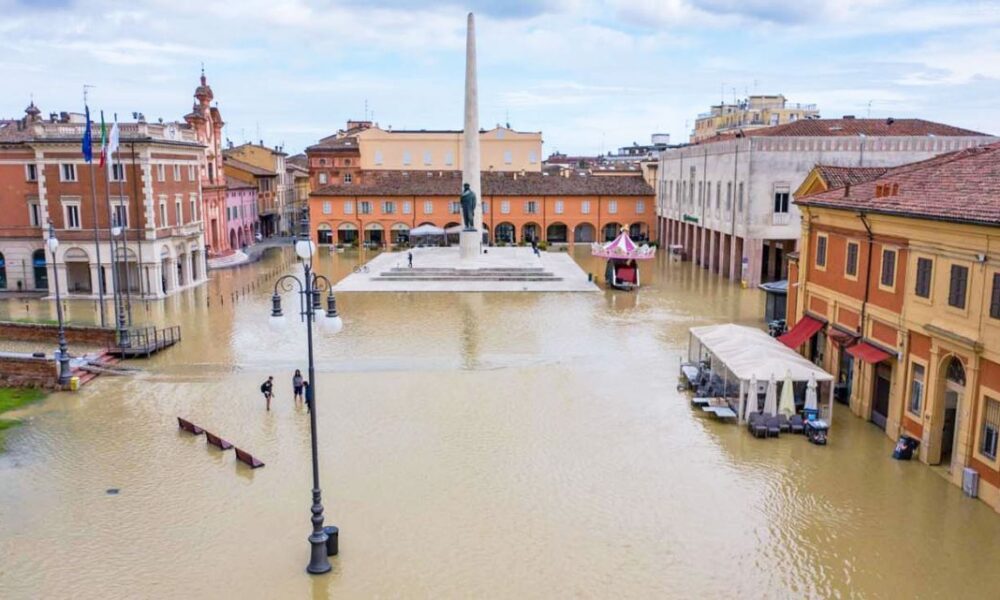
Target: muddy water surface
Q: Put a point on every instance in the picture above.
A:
(472, 445)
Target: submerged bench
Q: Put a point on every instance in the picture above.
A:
(247, 458)
(217, 441)
(189, 427)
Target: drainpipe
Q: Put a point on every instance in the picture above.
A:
(732, 210)
(868, 268)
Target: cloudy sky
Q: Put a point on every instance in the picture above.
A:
(591, 74)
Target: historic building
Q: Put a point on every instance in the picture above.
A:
(149, 198)
(518, 207)
(752, 113)
(241, 213)
(206, 121)
(266, 183)
(896, 289)
(277, 217)
(726, 202)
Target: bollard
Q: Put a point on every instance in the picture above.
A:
(332, 540)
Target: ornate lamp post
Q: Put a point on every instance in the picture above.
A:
(53, 245)
(123, 334)
(309, 287)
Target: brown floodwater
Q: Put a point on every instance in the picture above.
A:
(471, 445)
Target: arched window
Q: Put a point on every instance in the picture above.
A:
(956, 372)
(41, 273)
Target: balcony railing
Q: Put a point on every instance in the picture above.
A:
(781, 219)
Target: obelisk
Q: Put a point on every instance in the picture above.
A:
(471, 241)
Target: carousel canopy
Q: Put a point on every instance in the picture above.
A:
(623, 247)
(426, 230)
(751, 353)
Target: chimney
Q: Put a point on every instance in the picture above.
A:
(890, 121)
(53, 117)
(848, 117)
(847, 190)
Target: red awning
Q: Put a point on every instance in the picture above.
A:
(841, 338)
(803, 330)
(868, 353)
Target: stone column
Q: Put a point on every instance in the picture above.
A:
(470, 241)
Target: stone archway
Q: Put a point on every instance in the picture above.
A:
(610, 231)
(557, 233)
(950, 398)
(77, 265)
(504, 233)
(531, 232)
(584, 233)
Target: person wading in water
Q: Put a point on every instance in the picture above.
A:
(267, 388)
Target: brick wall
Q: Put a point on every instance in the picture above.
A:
(49, 334)
(23, 371)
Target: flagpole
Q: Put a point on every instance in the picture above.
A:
(93, 197)
(119, 312)
(139, 231)
(121, 198)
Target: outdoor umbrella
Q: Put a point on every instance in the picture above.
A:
(771, 398)
(787, 404)
(811, 404)
(751, 402)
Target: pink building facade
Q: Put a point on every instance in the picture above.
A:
(207, 123)
(241, 213)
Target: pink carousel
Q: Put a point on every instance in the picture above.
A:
(622, 270)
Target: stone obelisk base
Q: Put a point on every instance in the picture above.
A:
(469, 242)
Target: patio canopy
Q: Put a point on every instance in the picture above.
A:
(426, 230)
(748, 352)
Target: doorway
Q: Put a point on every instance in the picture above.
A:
(954, 388)
(880, 395)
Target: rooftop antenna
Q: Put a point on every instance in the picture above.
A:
(366, 109)
(870, 109)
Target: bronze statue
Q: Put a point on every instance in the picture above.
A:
(468, 208)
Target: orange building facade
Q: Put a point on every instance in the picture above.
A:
(517, 207)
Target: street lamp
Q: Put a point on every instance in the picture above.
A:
(309, 288)
(123, 335)
(53, 245)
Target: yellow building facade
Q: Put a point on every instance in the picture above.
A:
(908, 292)
(501, 149)
(752, 113)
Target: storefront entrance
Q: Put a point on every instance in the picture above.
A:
(954, 388)
(880, 394)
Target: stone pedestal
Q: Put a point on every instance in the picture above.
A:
(469, 243)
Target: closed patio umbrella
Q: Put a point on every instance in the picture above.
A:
(751, 401)
(771, 398)
(787, 404)
(811, 402)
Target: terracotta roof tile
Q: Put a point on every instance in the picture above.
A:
(449, 183)
(851, 127)
(242, 166)
(961, 186)
(838, 177)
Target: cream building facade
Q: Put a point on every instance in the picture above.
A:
(502, 149)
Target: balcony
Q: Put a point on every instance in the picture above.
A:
(781, 218)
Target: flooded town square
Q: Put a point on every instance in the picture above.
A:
(471, 445)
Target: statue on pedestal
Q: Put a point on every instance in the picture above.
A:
(468, 201)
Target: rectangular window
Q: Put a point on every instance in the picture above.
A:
(177, 172)
(322, 178)
(781, 201)
(449, 158)
(991, 428)
(191, 172)
(718, 193)
(923, 284)
(995, 297)
(34, 213)
(958, 286)
(378, 157)
(640, 207)
(508, 157)
(427, 157)
(740, 200)
(428, 207)
(328, 208)
(192, 210)
(364, 207)
(585, 207)
(67, 172)
(531, 207)
(505, 207)
(31, 172)
(559, 207)
(348, 207)
(348, 178)
(161, 172)
(454, 207)
(532, 157)
(407, 158)
(821, 250)
(851, 264)
(916, 389)
(179, 212)
(388, 207)
(163, 212)
(121, 212)
(888, 278)
(407, 207)
(71, 215)
(117, 172)
(612, 207)
(486, 207)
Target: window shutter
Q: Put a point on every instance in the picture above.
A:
(995, 298)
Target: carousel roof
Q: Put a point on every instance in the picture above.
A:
(623, 247)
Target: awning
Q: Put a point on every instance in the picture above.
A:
(868, 353)
(803, 330)
(840, 337)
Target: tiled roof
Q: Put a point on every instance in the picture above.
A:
(242, 166)
(14, 131)
(449, 183)
(851, 127)
(961, 186)
(344, 144)
(236, 184)
(838, 177)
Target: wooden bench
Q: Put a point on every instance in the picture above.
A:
(247, 458)
(189, 427)
(217, 441)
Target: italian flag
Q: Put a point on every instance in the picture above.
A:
(104, 141)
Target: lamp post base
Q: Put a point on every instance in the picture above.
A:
(318, 562)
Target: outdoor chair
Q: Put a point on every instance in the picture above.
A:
(759, 427)
(783, 424)
(751, 419)
(772, 427)
(796, 424)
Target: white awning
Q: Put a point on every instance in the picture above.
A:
(748, 352)
(426, 230)
(454, 229)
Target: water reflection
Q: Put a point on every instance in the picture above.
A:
(472, 445)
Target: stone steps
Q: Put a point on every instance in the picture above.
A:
(456, 270)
